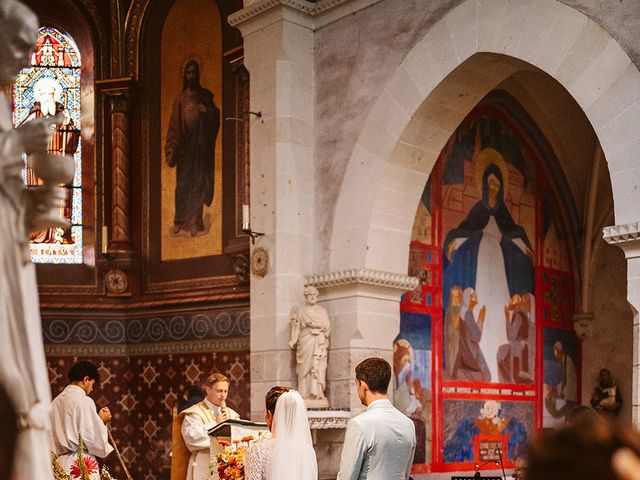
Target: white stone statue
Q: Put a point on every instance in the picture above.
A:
(23, 369)
(310, 327)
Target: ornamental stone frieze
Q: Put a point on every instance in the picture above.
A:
(363, 276)
(325, 419)
(620, 234)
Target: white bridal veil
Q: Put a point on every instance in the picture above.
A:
(293, 455)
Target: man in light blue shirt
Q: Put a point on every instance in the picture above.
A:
(379, 443)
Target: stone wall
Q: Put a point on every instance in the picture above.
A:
(357, 55)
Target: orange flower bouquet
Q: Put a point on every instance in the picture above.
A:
(230, 463)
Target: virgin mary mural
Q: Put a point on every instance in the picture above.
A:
(489, 252)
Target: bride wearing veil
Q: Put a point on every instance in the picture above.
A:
(288, 454)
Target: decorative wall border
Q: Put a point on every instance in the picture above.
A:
(184, 327)
(160, 348)
(364, 276)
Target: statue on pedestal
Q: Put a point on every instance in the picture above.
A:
(23, 370)
(310, 327)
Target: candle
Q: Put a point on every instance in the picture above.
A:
(245, 217)
(105, 238)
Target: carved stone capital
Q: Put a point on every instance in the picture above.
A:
(583, 325)
(310, 10)
(363, 276)
(625, 236)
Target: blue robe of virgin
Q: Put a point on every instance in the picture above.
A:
(461, 269)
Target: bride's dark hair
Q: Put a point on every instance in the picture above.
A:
(272, 396)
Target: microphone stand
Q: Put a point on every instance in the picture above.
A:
(504, 475)
(477, 475)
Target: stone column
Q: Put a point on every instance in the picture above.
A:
(364, 306)
(627, 237)
(278, 46)
(365, 319)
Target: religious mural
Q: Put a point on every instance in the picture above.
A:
(494, 263)
(560, 388)
(475, 430)
(191, 138)
(412, 376)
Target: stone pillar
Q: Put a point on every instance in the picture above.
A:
(364, 306)
(278, 46)
(627, 237)
(365, 319)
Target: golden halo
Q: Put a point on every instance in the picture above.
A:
(483, 159)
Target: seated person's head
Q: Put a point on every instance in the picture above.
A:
(270, 400)
(583, 450)
(190, 397)
(581, 414)
(8, 434)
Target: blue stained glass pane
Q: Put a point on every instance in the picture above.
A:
(428, 257)
(76, 209)
(52, 85)
(428, 300)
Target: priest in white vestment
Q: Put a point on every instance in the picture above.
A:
(200, 418)
(74, 416)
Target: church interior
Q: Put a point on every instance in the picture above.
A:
(420, 163)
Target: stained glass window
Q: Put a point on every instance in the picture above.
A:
(49, 86)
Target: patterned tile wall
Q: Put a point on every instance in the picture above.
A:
(145, 364)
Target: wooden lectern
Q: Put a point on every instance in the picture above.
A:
(231, 430)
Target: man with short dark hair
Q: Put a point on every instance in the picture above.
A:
(199, 419)
(74, 417)
(379, 443)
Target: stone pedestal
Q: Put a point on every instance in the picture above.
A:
(327, 429)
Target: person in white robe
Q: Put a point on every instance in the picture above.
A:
(74, 417)
(381, 442)
(23, 370)
(199, 419)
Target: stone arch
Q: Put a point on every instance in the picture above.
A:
(465, 55)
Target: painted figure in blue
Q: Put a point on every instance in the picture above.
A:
(491, 253)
